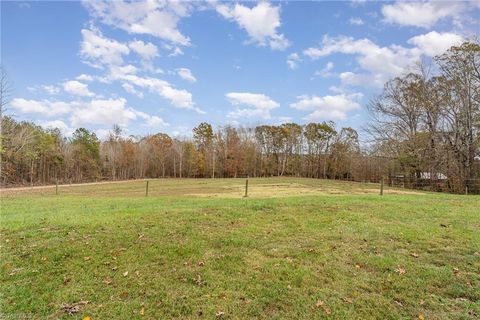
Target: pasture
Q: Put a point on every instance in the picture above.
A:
(197, 249)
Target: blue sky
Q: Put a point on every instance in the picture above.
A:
(160, 66)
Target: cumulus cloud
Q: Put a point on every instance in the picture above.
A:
(382, 63)
(435, 43)
(157, 18)
(147, 51)
(98, 50)
(85, 77)
(260, 22)
(57, 124)
(48, 89)
(85, 113)
(292, 60)
(256, 105)
(77, 88)
(326, 71)
(421, 14)
(356, 21)
(186, 74)
(105, 112)
(44, 107)
(327, 107)
(179, 98)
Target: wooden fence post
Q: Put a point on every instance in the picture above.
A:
(246, 189)
(146, 189)
(56, 187)
(466, 190)
(381, 187)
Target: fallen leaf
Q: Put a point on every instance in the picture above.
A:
(107, 280)
(400, 270)
(71, 309)
(220, 314)
(456, 271)
(201, 264)
(398, 303)
(142, 311)
(319, 303)
(87, 318)
(86, 258)
(421, 317)
(66, 281)
(347, 300)
(125, 273)
(44, 259)
(137, 273)
(413, 254)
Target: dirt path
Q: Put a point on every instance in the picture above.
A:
(67, 185)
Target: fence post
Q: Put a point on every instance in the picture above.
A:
(246, 189)
(381, 187)
(466, 190)
(56, 187)
(146, 189)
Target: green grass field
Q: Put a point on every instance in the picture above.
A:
(193, 249)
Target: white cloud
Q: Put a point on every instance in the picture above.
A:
(85, 77)
(434, 43)
(292, 60)
(379, 64)
(325, 72)
(186, 74)
(110, 112)
(86, 113)
(77, 88)
(327, 107)
(131, 89)
(178, 97)
(147, 51)
(44, 107)
(52, 90)
(356, 21)
(151, 121)
(99, 51)
(421, 14)
(57, 124)
(260, 22)
(156, 18)
(258, 105)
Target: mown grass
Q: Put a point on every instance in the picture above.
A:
(197, 249)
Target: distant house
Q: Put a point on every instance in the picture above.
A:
(437, 176)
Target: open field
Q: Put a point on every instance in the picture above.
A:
(295, 248)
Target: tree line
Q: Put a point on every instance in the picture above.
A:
(424, 126)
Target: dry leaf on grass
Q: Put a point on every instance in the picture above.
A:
(400, 270)
(142, 311)
(220, 314)
(413, 254)
(107, 280)
(125, 273)
(73, 308)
